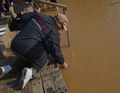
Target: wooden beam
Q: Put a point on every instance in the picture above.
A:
(53, 4)
(37, 86)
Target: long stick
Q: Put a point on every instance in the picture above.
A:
(67, 31)
(53, 4)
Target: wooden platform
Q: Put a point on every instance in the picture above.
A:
(48, 9)
(49, 80)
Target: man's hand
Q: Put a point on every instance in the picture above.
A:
(64, 65)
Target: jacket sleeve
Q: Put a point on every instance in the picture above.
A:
(26, 17)
(55, 47)
(20, 21)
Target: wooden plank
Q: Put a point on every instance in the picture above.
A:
(37, 85)
(8, 37)
(30, 88)
(53, 81)
(48, 84)
(58, 79)
(0, 85)
(45, 71)
(4, 87)
(1, 89)
(44, 9)
(53, 4)
(14, 91)
(27, 88)
(59, 82)
(15, 88)
(53, 68)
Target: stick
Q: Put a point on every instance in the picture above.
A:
(53, 4)
(67, 31)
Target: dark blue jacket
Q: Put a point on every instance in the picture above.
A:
(32, 34)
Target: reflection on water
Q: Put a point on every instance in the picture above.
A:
(114, 2)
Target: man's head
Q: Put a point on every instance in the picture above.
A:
(62, 21)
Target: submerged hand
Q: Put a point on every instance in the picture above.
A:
(64, 65)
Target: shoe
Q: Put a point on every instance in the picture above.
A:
(2, 72)
(5, 70)
(2, 33)
(2, 29)
(26, 77)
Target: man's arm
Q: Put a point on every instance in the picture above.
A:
(55, 50)
(20, 21)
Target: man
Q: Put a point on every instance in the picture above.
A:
(20, 6)
(38, 41)
(4, 6)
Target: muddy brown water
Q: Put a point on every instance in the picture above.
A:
(94, 55)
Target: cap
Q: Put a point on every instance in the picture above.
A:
(63, 19)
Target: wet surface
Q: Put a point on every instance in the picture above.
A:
(94, 30)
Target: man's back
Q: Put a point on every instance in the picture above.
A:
(30, 35)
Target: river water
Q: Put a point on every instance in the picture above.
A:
(94, 54)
